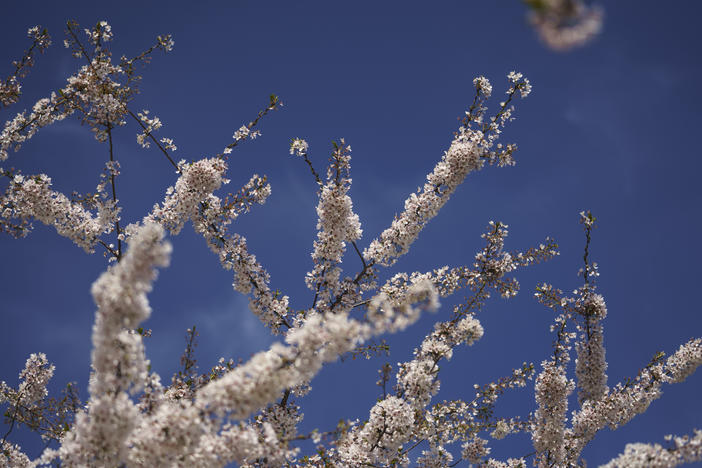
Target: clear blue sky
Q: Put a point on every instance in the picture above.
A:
(611, 127)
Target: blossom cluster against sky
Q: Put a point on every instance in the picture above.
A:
(609, 127)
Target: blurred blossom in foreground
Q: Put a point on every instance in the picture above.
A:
(564, 24)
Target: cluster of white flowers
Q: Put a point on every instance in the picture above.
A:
(377, 442)
(168, 144)
(95, 91)
(510, 463)
(483, 85)
(399, 304)
(23, 127)
(10, 89)
(462, 157)
(150, 125)
(99, 435)
(686, 449)
(437, 457)
(337, 224)
(33, 380)
(552, 391)
(621, 404)
(165, 42)
(36, 374)
(13, 457)
(474, 450)
(101, 32)
(245, 132)
(298, 147)
(590, 365)
(248, 131)
(182, 203)
(211, 222)
(29, 198)
(468, 152)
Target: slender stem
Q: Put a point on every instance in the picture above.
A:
(314, 173)
(363, 260)
(284, 401)
(114, 191)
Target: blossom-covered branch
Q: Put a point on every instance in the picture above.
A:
(468, 152)
(10, 88)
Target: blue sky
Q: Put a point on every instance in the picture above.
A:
(610, 127)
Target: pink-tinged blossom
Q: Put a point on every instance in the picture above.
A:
(98, 436)
(685, 449)
(417, 380)
(518, 82)
(269, 306)
(29, 198)
(95, 91)
(24, 403)
(168, 144)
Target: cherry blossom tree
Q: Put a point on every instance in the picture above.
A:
(248, 412)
